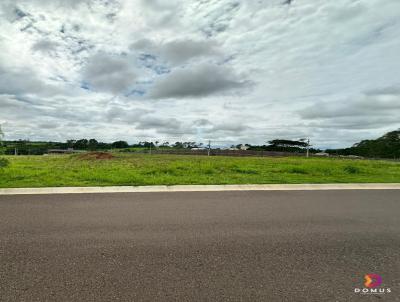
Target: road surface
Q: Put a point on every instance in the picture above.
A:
(199, 246)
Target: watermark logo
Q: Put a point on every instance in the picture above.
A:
(372, 283)
(372, 280)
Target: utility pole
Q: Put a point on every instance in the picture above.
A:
(308, 147)
(209, 147)
(150, 148)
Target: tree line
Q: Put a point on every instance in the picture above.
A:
(26, 147)
(387, 146)
(284, 145)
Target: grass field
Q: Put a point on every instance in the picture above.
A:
(144, 169)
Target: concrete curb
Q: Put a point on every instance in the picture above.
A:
(198, 188)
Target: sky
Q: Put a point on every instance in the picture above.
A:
(228, 71)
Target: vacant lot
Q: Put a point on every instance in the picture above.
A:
(145, 169)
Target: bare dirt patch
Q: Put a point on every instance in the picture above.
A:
(96, 156)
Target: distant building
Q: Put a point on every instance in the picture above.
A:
(355, 156)
(62, 151)
(322, 154)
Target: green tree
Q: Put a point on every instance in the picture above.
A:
(92, 144)
(2, 150)
(178, 145)
(120, 144)
(81, 144)
(285, 143)
(387, 146)
(1, 136)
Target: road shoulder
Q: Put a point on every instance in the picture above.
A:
(199, 188)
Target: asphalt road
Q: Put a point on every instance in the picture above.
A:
(209, 246)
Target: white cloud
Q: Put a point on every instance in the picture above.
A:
(178, 52)
(110, 73)
(197, 81)
(116, 69)
(44, 46)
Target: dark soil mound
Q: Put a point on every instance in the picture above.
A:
(96, 156)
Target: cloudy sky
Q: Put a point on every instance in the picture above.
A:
(227, 70)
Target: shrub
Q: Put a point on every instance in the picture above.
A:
(352, 170)
(298, 171)
(4, 162)
(244, 170)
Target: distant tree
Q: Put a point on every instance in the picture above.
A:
(178, 145)
(146, 144)
(71, 143)
(93, 144)
(2, 150)
(282, 145)
(287, 143)
(387, 146)
(189, 145)
(21, 147)
(1, 136)
(120, 144)
(81, 144)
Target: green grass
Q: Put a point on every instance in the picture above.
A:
(144, 169)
